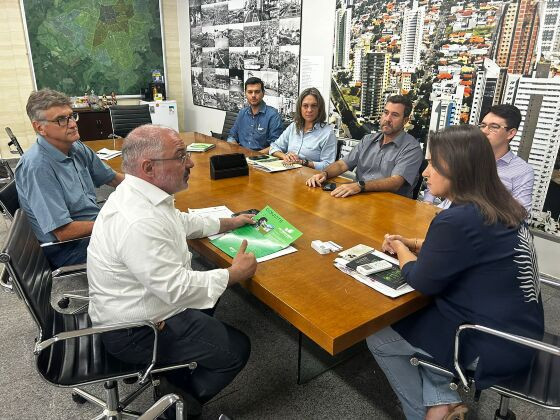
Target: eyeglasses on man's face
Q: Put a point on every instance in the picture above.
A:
(493, 127)
(182, 158)
(65, 120)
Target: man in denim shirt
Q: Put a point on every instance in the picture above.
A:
(56, 179)
(257, 125)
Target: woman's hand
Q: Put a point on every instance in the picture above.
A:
(291, 158)
(396, 244)
(390, 243)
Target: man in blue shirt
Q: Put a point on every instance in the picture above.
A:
(257, 125)
(56, 179)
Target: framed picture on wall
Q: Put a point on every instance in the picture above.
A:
(77, 46)
(237, 39)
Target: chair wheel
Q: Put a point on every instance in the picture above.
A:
(78, 398)
(63, 303)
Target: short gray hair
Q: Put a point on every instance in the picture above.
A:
(41, 100)
(142, 142)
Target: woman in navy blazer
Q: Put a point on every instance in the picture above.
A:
(479, 264)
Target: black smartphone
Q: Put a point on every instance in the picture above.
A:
(250, 211)
(259, 157)
(329, 186)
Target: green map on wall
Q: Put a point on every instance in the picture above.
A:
(105, 45)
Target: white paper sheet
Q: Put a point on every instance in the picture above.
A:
(218, 212)
(340, 263)
(106, 154)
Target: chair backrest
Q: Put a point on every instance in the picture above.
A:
(6, 172)
(228, 123)
(345, 146)
(30, 272)
(9, 199)
(416, 189)
(13, 142)
(125, 118)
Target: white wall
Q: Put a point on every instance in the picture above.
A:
(317, 40)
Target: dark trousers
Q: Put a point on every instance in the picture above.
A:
(68, 253)
(219, 350)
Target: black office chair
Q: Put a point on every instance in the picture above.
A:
(159, 407)
(68, 351)
(9, 199)
(125, 118)
(10, 204)
(226, 128)
(539, 386)
(339, 145)
(6, 172)
(420, 181)
(13, 142)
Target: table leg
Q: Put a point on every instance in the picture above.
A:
(313, 360)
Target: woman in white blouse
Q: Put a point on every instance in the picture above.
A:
(309, 140)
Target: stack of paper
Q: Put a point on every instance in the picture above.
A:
(274, 166)
(200, 147)
(106, 154)
(350, 254)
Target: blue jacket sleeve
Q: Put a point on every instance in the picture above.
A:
(446, 253)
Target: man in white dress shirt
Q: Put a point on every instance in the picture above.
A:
(139, 268)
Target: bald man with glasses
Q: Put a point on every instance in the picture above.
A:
(56, 179)
(500, 126)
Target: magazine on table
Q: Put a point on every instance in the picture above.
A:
(200, 147)
(107, 154)
(270, 234)
(269, 163)
(390, 282)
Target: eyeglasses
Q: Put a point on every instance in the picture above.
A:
(493, 127)
(64, 121)
(183, 158)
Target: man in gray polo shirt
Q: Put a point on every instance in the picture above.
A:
(56, 179)
(385, 161)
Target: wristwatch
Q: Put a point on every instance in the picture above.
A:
(362, 185)
(304, 162)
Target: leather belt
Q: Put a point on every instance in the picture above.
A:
(160, 325)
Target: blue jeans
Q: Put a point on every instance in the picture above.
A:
(67, 253)
(416, 387)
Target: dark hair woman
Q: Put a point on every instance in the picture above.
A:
(479, 264)
(309, 140)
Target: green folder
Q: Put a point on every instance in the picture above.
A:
(270, 234)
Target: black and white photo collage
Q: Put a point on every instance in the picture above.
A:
(237, 39)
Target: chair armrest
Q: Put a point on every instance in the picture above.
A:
(66, 335)
(524, 341)
(69, 269)
(217, 135)
(46, 244)
(549, 280)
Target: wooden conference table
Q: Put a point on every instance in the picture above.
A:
(329, 307)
